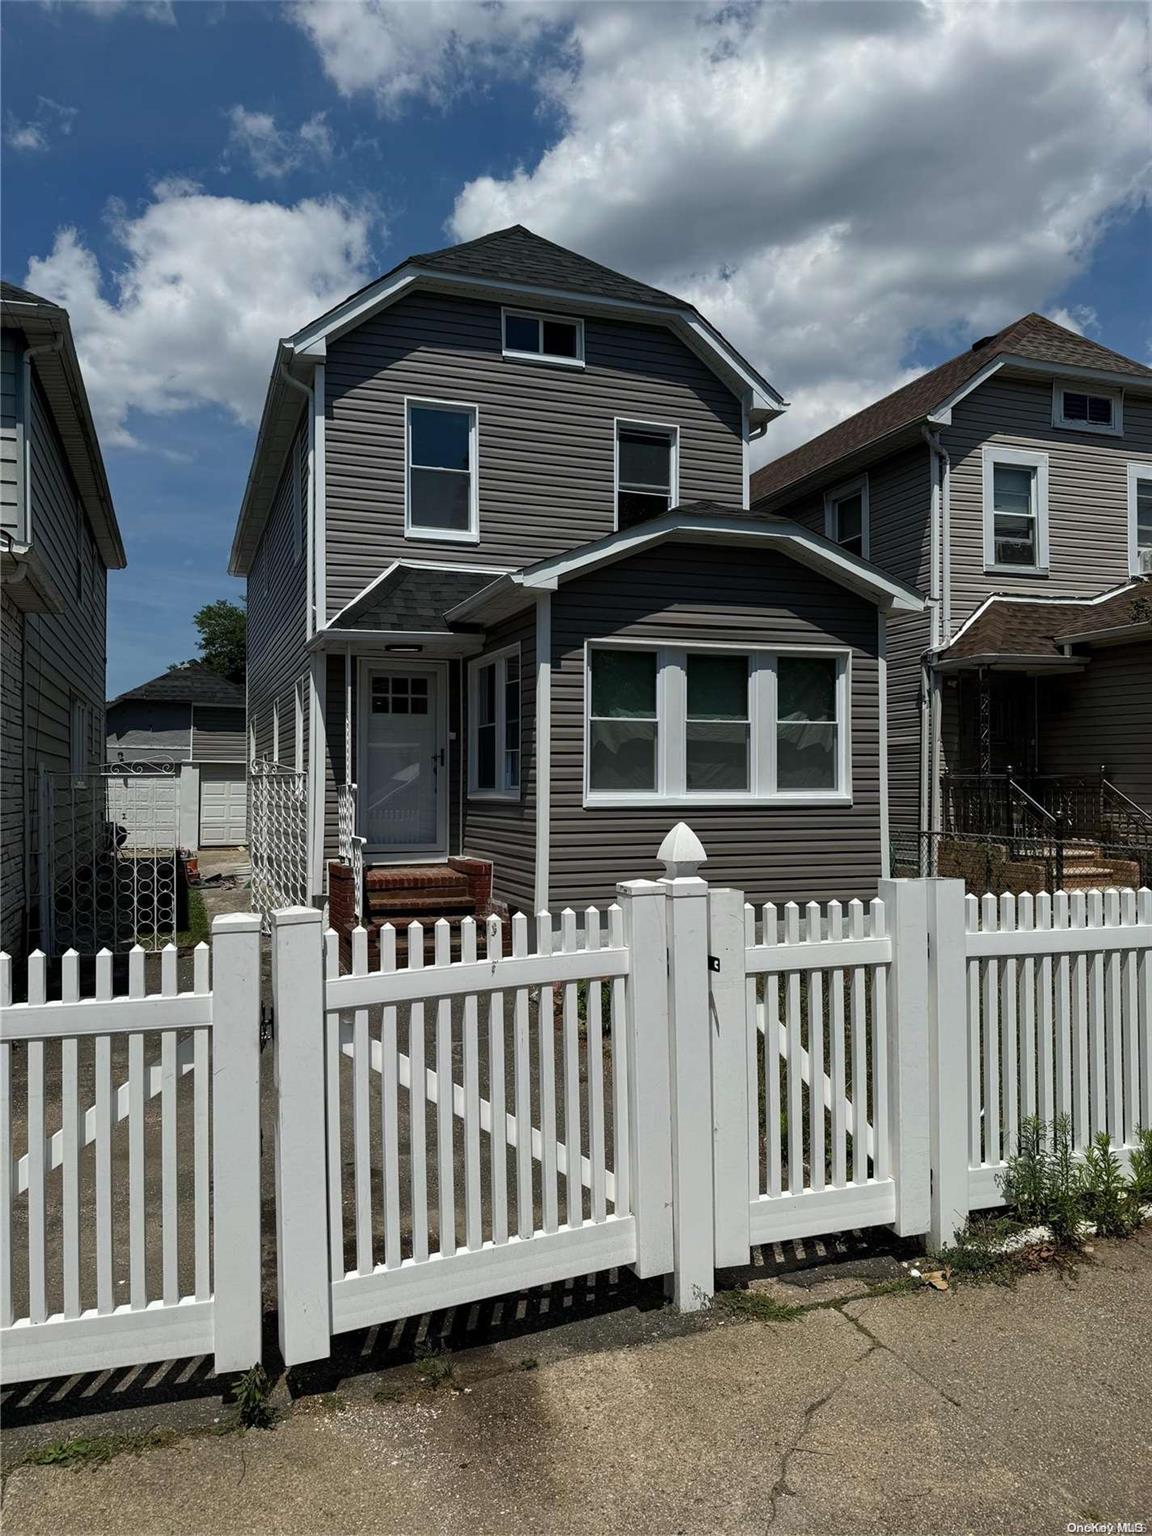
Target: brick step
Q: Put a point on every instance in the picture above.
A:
(439, 903)
(392, 877)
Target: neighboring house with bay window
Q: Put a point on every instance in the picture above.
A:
(1012, 486)
(58, 541)
(501, 567)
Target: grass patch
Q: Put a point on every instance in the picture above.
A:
(433, 1367)
(199, 929)
(755, 1304)
(95, 1450)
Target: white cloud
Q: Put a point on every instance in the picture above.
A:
(50, 121)
(146, 10)
(830, 183)
(189, 312)
(274, 151)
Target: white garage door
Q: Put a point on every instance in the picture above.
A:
(223, 807)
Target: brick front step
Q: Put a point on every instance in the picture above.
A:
(393, 877)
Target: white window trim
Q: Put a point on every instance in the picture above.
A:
(1079, 387)
(1025, 458)
(1136, 473)
(671, 697)
(298, 725)
(445, 535)
(474, 666)
(297, 506)
(673, 430)
(549, 359)
(838, 493)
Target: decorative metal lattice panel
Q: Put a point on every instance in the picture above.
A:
(278, 837)
(351, 846)
(108, 857)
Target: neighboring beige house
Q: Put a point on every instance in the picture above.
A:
(193, 718)
(1012, 486)
(58, 541)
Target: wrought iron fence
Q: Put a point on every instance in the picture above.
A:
(278, 836)
(351, 847)
(108, 868)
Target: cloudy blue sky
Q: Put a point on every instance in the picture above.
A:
(851, 191)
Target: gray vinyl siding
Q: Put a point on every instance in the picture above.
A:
(546, 437)
(278, 606)
(504, 831)
(219, 735)
(11, 777)
(900, 503)
(1102, 718)
(11, 476)
(139, 729)
(683, 593)
(1087, 492)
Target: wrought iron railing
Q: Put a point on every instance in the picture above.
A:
(351, 846)
(278, 836)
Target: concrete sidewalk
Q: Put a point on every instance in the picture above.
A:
(984, 1409)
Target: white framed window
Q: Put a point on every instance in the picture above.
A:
(297, 509)
(494, 725)
(709, 724)
(1087, 408)
(298, 725)
(647, 470)
(540, 338)
(1140, 519)
(441, 497)
(80, 738)
(846, 516)
(1015, 510)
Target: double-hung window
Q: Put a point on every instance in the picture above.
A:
(1015, 510)
(706, 726)
(846, 516)
(1140, 519)
(1079, 409)
(494, 747)
(442, 501)
(543, 338)
(646, 471)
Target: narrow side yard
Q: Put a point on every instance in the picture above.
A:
(982, 1409)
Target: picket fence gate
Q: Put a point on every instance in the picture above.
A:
(102, 1264)
(664, 1085)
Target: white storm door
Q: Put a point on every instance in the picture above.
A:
(403, 760)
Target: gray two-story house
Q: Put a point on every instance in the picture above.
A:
(502, 578)
(1012, 486)
(58, 540)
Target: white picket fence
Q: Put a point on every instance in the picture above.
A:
(664, 1085)
(121, 1240)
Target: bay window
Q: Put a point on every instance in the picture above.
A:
(712, 724)
(494, 737)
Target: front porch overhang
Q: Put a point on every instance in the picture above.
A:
(1000, 661)
(433, 645)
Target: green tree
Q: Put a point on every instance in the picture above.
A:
(223, 630)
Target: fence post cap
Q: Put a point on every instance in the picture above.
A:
(681, 852)
(286, 917)
(236, 922)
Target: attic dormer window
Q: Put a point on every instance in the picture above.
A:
(543, 338)
(1087, 410)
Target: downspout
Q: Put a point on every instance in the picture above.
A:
(939, 600)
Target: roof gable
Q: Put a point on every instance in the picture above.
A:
(1033, 336)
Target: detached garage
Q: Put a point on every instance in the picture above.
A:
(194, 718)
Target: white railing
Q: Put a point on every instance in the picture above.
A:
(278, 836)
(96, 1271)
(351, 846)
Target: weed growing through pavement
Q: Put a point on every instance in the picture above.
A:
(95, 1450)
(433, 1366)
(253, 1399)
(1048, 1184)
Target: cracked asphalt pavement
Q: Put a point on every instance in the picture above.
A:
(981, 1410)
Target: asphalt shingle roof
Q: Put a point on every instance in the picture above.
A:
(191, 684)
(1009, 627)
(1033, 336)
(411, 598)
(10, 294)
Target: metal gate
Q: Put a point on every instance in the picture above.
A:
(108, 857)
(277, 836)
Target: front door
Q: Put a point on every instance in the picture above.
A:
(403, 761)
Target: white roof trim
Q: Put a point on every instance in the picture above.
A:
(803, 545)
(941, 415)
(690, 325)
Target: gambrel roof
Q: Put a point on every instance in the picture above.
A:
(1031, 339)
